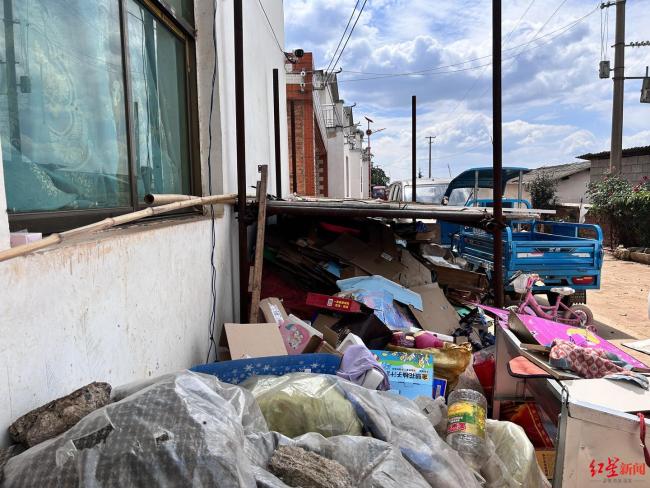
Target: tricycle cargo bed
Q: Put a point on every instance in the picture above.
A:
(561, 253)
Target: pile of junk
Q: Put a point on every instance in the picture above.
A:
(369, 361)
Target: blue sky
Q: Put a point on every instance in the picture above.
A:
(555, 106)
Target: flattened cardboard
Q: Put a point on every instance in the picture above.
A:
(415, 273)
(273, 310)
(438, 315)
(370, 258)
(432, 234)
(254, 340)
(460, 279)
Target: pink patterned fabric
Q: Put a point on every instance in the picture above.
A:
(586, 362)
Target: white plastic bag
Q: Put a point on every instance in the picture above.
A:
(511, 460)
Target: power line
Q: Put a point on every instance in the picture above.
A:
(347, 40)
(268, 21)
(569, 26)
(549, 19)
(342, 35)
(431, 73)
(432, 70)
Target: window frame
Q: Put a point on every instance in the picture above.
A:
(61, 220)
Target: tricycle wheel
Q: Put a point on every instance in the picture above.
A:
(582, 312)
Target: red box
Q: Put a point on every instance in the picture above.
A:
(337, 304)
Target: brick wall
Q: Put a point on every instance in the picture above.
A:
(303, 102)
(633, 168)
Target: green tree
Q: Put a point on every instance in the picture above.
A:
(543, 191)
(379, 177)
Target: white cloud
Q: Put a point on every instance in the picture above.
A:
(555, 107)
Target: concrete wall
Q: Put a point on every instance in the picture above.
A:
(336, 178)
(133, 303)
(633, 168)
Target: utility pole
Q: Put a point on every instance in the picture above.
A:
(616, 152)
(431, 138)
(369, 133)
(497, 155)
(413, 151)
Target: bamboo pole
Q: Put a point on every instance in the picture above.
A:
(56, 238)
(155, 199)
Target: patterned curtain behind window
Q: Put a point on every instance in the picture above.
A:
(62, 115)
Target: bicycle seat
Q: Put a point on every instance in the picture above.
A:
(563, 290)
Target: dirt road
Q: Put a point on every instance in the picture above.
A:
(622, 301)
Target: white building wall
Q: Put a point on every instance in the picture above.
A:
(4, 221)
(133, 303)
(570, 190)
(573, 189)
(355, 171)
(336, 179)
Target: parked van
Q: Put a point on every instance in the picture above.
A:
(428, 190)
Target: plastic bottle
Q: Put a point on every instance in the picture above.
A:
(466, 426)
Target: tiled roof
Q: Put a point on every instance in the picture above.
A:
(631, 151)
(557, 171)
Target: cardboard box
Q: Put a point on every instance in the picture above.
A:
(367, 326)
(298, 336)
(326, 348)
(546, 461)
(273, 311)
(410, 374)
(324, 324)
(438, 315)
(252, 340)
(336, 304)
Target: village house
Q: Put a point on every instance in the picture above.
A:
(635, 164)
(327, 140)
(572, 180)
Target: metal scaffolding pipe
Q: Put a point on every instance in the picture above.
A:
(240, 127)
(497, 154)
(276, 129)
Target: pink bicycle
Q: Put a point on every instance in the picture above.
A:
(575, 315)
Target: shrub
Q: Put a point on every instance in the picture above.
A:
(625, 208)
(543, 191)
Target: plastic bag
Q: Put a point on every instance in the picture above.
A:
(185, 429)
(398, 421)
(435, 411)
(298, 403)
(511, 460)
(370, 462)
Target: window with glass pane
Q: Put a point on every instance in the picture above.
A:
(183, 8)
(62, 110)
(158, 93)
